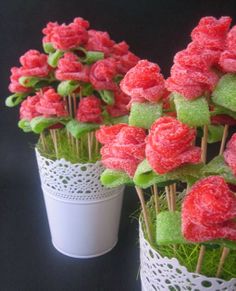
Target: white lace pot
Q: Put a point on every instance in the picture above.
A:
(162, 273)
(83, 215)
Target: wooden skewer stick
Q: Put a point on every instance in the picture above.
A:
(74, 104)
(42, 138)
(224, 137)
(145, 213)
(223, 257)
(225, 251)
(203, 156)
(77, 146)
(54, 140)
(200, 258)
(204, 143)
(168, 197)
(89, 147)
(156, 198)
(173, 196)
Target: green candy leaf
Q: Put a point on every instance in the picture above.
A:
(14, 99)
(145, 177)
(112, 178)
(77, 129)
(92, 56)
(144, 114)
(120, 119)
(86, 89)
(225, 92)
(168, 228)
(117, 79)
(215, 133)
(217, 166)
(53, 58)
(48, 47)
(194, 113)
(66, 88)
(107, 96)
(39, 124)
(29, 81)
(25, 125)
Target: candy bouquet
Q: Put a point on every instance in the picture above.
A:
(188, 226)
(64, 95)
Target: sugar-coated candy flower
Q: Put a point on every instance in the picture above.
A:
(144, 82)
(209, 210)
(64, 37)
(28, 108)
(170, 145)
(211, 32)
(50, 103)
(120, 106)
(34, 64)
(15, 86)
(99, 41)
(230, 153)
(89, 110)
(70, 68)
(102, 73)
(124, 147)
(228, 57)
(125, 59)
(106, 134)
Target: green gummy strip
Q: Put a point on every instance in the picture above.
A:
(113, 178)
(215, 133)
(194, 112)
(144, 114)
(225, 92)
(168, 228)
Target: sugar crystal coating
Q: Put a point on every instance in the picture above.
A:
(208, 211)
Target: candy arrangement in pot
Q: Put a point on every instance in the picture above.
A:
(191, 214)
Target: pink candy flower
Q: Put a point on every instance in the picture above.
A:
(69, 68)
(89, 110)
(124, 147)
(192, 75)
(34, 64)
(102, 74)
(120, 106)
(230, 153)
(170, 145)
(99, 41)
(144, 82)
(28, 108)
(228, 56)
(69, 36)
(15, 86)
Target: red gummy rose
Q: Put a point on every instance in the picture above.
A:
(208, 211)
(124, 149)
(34, 64)
(170, 145)
(144, 82)
(125, 59)
(89, 110)
(50, 103)
(15, 86)
(223, 120)
(120, 106)
(28, 108)
(228, 57)
(69, 68)
(102, 74)
(230, 153)
(65, 37)
(211, 32)
(99, 41)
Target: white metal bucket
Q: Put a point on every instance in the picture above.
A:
(83, 215)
